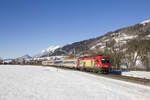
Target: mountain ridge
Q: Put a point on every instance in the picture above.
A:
(120, 36)
(46, 52)
(25, 57)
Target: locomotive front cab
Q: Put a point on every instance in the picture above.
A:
(105, 62)
(102, 63)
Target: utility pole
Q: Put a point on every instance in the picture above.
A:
(56, 59)
(74, 52)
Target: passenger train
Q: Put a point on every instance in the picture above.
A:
(94, 64)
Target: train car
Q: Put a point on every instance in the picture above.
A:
(70, 63)
(58, 63)
(96, 64)
(52, 63)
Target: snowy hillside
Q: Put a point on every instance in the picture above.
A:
(119, 38)
(145, 22)
(7, 60)
(122, 36)
(46, 52)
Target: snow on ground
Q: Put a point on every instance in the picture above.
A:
(139, 74)
(46, 83)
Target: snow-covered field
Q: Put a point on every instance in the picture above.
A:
(139, 74)
(46, 83)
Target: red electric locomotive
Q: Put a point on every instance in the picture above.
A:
(96, 64)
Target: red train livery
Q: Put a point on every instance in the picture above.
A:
(100, 63)
(95, 64)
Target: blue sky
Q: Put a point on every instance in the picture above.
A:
(28, 26)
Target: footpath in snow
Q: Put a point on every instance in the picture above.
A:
(47, 83)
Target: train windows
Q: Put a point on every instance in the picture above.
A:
(69, 62)
(105, 61)
(57, 62)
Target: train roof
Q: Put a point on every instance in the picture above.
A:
(93, 56)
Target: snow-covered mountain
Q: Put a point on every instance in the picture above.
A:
(120, 36)
(145, 22)
(26, 57)
(46, 52)
(7, 60)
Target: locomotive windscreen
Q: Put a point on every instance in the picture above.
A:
(105, 61)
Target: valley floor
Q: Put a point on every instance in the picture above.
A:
(48, 83)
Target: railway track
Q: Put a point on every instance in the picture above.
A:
(113, 76)
(127, 78)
